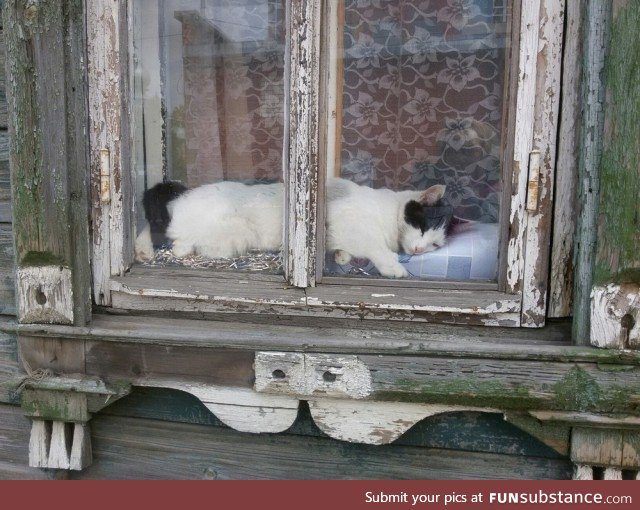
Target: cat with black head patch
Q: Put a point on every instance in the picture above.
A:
(228, 219)
(377, 224)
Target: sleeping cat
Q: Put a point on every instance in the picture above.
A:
(227, 219)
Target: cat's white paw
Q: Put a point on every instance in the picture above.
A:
(143, 247)
(394, 271)
(342, 257)
(181, 249)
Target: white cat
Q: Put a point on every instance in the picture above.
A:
(378, 223)
(227, 219)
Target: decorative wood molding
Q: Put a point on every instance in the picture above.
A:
(60, 408)
(241, 409)
(612, 449)
(299, 374)
(615, 316)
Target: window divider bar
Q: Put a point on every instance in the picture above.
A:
(301, 190)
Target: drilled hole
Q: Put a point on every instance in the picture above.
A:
(278, 374)
(41, 299)
(328, 376)
(627, 321)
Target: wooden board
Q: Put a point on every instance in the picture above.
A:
(564, 217)
(548, 344)
(148, 288)
(7, 271)
(14, 447)
(539, 215)
(136, 448)
(48, 152)
(475, 432)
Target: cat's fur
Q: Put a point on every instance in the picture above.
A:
(378, 223)
(227, 219)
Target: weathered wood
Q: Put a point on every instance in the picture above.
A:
(3, 83)
(582, 472)
(242, 409)
(597, 18)
(609, 448)
(302, 103)
(7, 271)
(555, 435)
(158, 363)
(469, 431)
(311, 374)
(14, 447)
(108, 76)
(138, 448)
(547, 344)
(523, 143)
(545, 130)
(372, 423)
(56, 355)
(505, 385)
(5, 177)
(148, 289)
(45, 295)
(45, 64)
(8, 356)
(615, 316)
(564, 207)
(618, 223)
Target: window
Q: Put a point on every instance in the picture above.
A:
(397, 96)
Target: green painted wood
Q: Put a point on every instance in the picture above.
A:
(45, 44)
(618, 245)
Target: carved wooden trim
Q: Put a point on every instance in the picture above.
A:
(615, 316)
(60, 408)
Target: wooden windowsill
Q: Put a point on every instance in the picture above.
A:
(188, 291)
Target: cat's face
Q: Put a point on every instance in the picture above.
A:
(416, 235)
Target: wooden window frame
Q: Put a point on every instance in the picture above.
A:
(519, 297)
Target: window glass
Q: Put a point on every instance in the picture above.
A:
(419, 101)
(208, 110)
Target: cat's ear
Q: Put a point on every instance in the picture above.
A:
(431, 195)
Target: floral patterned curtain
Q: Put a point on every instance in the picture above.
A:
(234, 91)
(423, 91)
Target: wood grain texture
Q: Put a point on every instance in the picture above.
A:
(15, 432)
(545, 132)
(145, 288)
(137, 448)
(108, 76)
(302, 176)
(45, 64)
(615, 316)
(476, 432)
(5, 178)
(618, 222)
(597, 16)
(548, 344)
(523, 143)
(45, 295)
(564, 205)
(3, 83)
(609, 448)
(7, 271)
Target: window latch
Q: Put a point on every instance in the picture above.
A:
(533, 185)
(105, 177)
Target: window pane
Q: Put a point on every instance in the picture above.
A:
(208, 107)
(419, 100)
